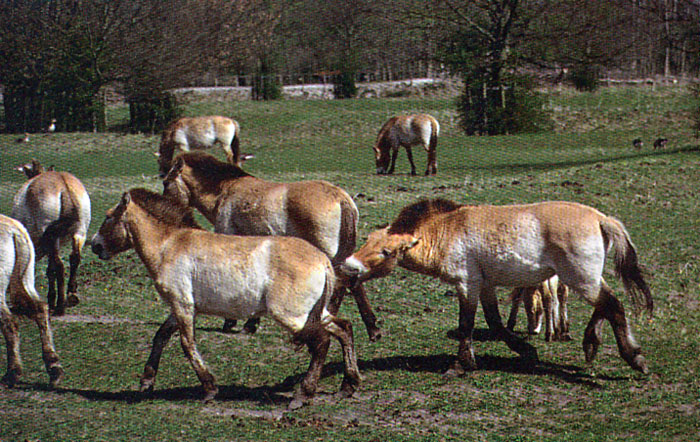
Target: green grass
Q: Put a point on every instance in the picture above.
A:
(588, 158)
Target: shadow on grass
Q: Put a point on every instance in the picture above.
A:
(553, 165)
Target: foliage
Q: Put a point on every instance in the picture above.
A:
(344, 85)
(695, 111)
(151, 111)
(585, 77)
(266, 87)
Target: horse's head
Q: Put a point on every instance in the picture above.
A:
(381, 158)
(378, 256)
(31, 169)
(174, 186)
(113, 237)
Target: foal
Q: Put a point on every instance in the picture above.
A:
(200, 272)
(55, 209)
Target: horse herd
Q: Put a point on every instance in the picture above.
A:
(288, 250)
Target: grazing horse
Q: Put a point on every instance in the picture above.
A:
(240, 204)
(478, 248)
(185, 134)
(55, 208)
(201, 272)
(19, 297)
(407, 131)
(547, 299)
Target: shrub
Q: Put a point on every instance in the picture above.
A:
(508, 108)
(151, 111)
(344, 85)
(695, 111)
(585, 77)
(266, 87)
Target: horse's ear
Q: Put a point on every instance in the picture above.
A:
(178, 164)
(410, 243)
(126, 199)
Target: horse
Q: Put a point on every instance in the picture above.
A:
(55, 208)
(238, 203)
(407, 131)
(19, 297)
(477, 248)
(547, 299)
(200, 272)
(186, 133)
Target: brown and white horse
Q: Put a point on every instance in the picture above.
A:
(201, 272)
(548, 299)
(185, 134)
(240, 204)
(407, 131)
(55, 208)
(19, 297)
(478, 248)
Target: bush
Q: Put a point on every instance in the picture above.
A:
(585, 77)
(151, 111)
(695, 111)
(344, 85)
(509, 108)
(266, 87)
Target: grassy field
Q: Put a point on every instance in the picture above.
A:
(104, 341)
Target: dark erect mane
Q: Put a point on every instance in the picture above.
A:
(412, 216)
(164, 209)
(208, 168)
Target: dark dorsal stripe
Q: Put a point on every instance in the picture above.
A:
(164, 209)
(412, 216)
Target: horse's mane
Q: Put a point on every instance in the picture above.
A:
(208, 168)
(164, 209)
(412, 216)
(381, 137)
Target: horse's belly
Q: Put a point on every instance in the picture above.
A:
(233, 298)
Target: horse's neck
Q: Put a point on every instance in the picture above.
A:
(424, 257)
(148, 237)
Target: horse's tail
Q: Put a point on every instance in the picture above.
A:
(626, 264)
(434, 133)
(236, 143)
(24, 262)
(66, 224)
(347, 235)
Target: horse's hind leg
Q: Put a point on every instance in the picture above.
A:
(317, 340)
(48, 351)
(56, 276)
(74, 259)
(10, 331)
(342, 330)
(489, 302)
(160, 340)
(612, 310)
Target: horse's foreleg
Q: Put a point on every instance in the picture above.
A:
(549, 304)
(10, 330)
(394, 155)
(468, 301)
(48, 350)
(409, 154)
(185, 320)
(489, 303)
(318, 342)
(368, 317)
(160, 340)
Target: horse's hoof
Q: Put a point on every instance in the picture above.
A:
(146, 386)
(72, 300)
(374, 334)
(210, 395)
(456, 334)
(640, 364)
(10, 379)
(228, 326)
(55, 376)
(295, 404)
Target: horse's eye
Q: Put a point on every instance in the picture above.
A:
(386, 253)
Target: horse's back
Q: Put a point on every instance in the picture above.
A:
(51, 196)
(412, 129)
